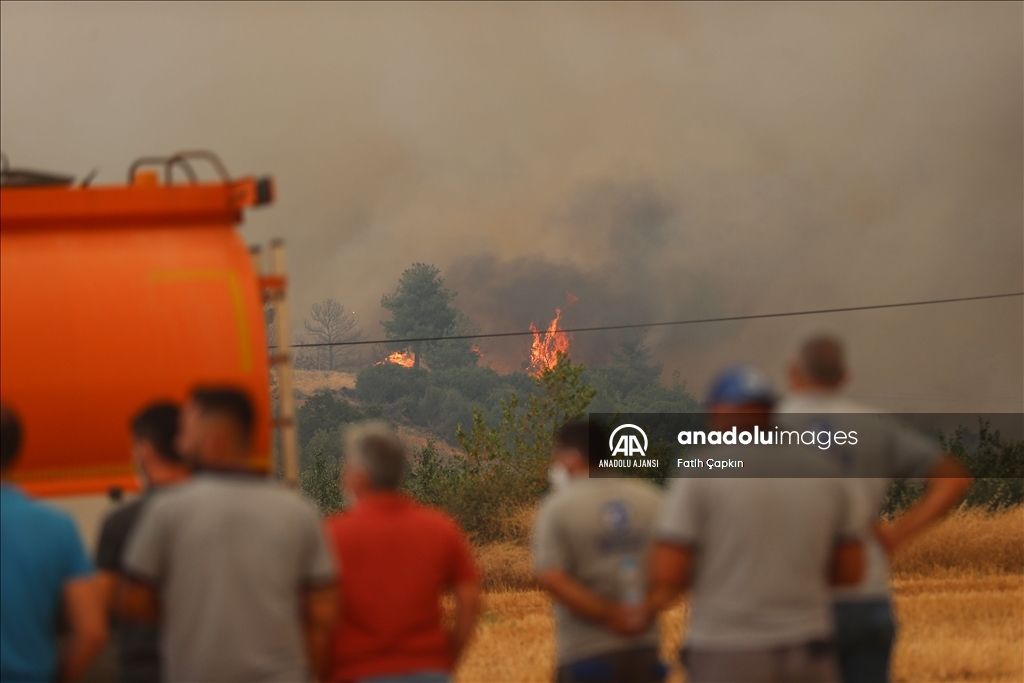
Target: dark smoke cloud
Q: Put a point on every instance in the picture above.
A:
(617, 234)
(657, 161)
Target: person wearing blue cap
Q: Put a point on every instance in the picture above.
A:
(757, 554)
(742, 388)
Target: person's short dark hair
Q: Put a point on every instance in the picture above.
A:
(229, 402)
(580, 433)
(10, 436)
(157, 425)
(376, 448)
(823, 360)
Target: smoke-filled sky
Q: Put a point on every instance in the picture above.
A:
(657, 161)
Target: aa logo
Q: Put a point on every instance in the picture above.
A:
(628, 442)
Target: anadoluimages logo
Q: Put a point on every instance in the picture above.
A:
(628, 444)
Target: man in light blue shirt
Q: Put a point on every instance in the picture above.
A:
(43, 570)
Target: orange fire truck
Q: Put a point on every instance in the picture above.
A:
(115, 296)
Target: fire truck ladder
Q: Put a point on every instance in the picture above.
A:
(274, 285)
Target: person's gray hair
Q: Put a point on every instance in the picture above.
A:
(822, 359)
(375, 448)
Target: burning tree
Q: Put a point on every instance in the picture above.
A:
(403, 358)
(547, 346)
(454, 353)
(420, 307)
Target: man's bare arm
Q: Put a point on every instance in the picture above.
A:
(947, 483)
(136, 601)
(574, 595)
(467, 610)
(87, 626)
(321, 614)
(847, 566)
(669, 573)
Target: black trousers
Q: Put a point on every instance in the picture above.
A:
(640, 665)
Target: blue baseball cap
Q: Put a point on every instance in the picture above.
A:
(741, 385)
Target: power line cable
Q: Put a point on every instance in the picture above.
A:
(693, 321)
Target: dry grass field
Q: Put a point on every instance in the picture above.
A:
(308, 382)
(959, 595)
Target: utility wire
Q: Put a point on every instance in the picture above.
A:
(694, 321)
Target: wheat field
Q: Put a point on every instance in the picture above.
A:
(958, 592)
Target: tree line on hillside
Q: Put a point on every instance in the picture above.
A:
(496, 469)
(500, 466)
(502, 426)
(447, 382)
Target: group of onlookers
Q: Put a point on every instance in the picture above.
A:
(218, 573)
(787, 576)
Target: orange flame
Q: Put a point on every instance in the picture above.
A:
(476, 349)
(404, 358)
(546, 346)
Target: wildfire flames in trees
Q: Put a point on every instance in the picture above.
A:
(547, 345)
(543, 352)
(404, 358)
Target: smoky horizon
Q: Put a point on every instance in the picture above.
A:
(599, 164)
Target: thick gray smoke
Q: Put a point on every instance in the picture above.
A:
(655, 161)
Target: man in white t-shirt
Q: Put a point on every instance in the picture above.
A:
(885, 451)
(759, 553)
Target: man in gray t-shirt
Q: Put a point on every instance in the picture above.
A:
(591, 540)
(757, 553)
(235, 567)
(885, 451)
(764, 548)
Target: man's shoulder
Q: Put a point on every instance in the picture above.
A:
(255, 498)
(194, 495)
(275, 498)
(46, 528)
(430, 516)
(822, 403)
(790, 461)
(588, 492)
(183, 494)
(338, 521)
(636, 491)
(218, 485)
(36, 511)
(435, 518)
(555, 501)
(425, 517)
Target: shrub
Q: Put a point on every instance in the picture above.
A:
(503, 467)
(390, 383)
(997, 465)
(325, 411)
(319, 482)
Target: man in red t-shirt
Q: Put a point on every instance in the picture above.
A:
(395, 558)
